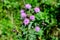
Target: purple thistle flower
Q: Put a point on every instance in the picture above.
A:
(23, 15)
(36, 9)
(37, 28)
(26, 21)
(27, 6)
(32, 17)
(22, 11)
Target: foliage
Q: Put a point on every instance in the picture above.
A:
(48, 19)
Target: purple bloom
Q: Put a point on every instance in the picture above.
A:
(37, 28)
(22, 11)
(23, 15)
(36, 9)
(32, 17)
(27, 6)
(26, 21)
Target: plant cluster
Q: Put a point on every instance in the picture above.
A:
(29, 19)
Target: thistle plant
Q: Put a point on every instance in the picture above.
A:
(29, 19)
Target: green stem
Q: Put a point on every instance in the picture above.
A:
(24, 2)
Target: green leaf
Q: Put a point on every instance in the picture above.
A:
(40, 33)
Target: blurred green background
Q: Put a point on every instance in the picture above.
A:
(10, 20)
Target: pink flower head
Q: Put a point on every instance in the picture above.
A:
(26, 21)
(37, 28)
(27, 6)
(32, 17)
(36, 9)
(22, 11)
(23, 15)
